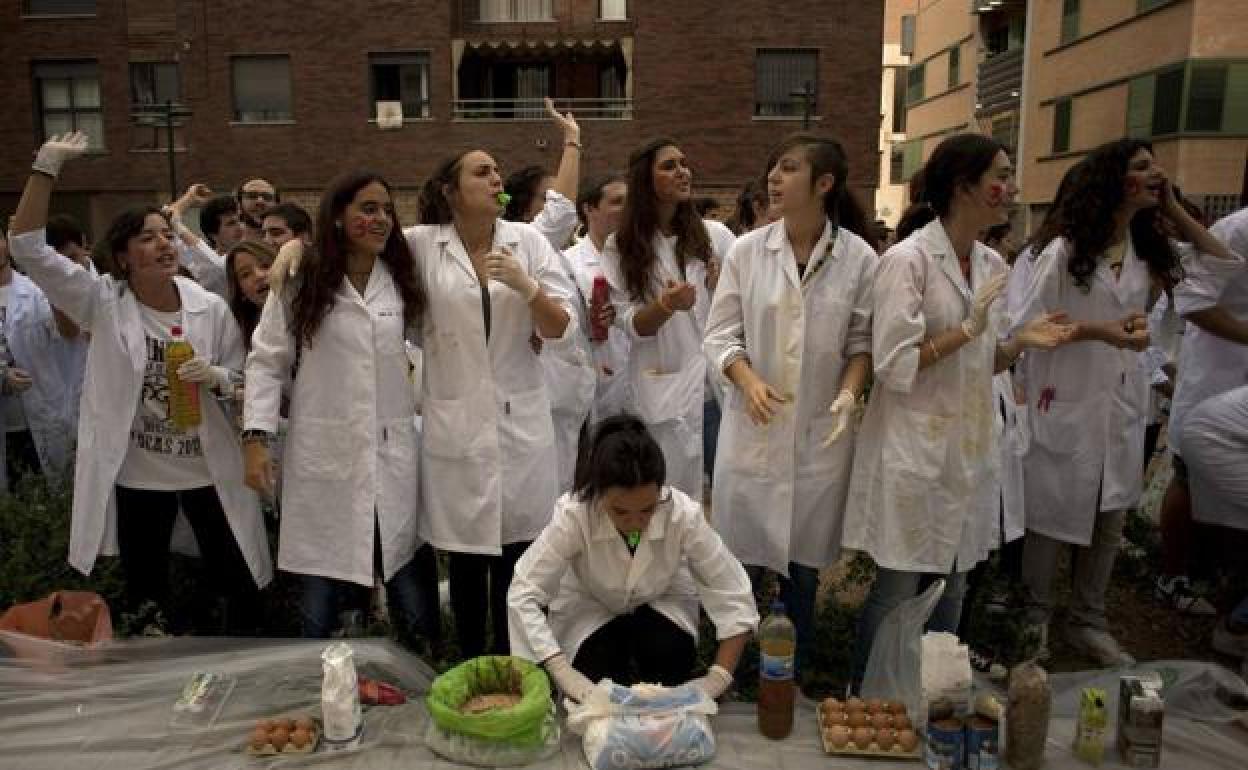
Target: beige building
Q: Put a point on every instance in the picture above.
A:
(899, 27)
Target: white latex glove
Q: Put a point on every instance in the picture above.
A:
(715, 683)
(842, 410)
(987, 294)
(54, 152)
(201, 370)
(17, 380)
(572, 682)
(286, 264)
(505, 267)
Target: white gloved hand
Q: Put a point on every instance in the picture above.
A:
(201, 370)
(987, 294)
(715, 683)
(58, 149)
(286, 264)
(572, 682)
(503, 266)
(842, 410)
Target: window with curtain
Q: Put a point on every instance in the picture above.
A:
(1061, 125)
(779, 74)
(1070, 20)
(400, 77)
(67, 96)
(153, 83)
(532, 86)
(58, 7)
(261, 89)
(613, 10)
(515, 10)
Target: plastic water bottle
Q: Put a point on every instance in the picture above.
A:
(183, 396)
(777, 641)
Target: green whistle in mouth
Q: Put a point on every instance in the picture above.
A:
(503, 199)
(634, 538)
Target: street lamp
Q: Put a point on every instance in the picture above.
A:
(807, 95)
(166, 113)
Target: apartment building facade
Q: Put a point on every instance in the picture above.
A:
(899, 27)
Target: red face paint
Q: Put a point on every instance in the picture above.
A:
(358, 227)
(996, 194)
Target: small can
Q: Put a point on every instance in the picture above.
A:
(946, 745)
(981, 740)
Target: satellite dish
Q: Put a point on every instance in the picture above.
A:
(389, 115)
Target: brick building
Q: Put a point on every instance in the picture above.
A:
(287, 90)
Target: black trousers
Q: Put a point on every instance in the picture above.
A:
(145, 520)
(479, 584)
(20, 456)
(643, 646)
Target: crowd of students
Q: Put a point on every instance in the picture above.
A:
(395, 392)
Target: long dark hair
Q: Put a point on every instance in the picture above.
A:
(753, 193)
(522, 187)
(622, 453)
(956, 162)
(827, 156)
(326, 268)
(1047, 230)
(1084, 215)
(433, 205)
(640, 222)
(125, 226)
(245, 312)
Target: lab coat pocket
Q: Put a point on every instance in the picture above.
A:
(525, 423)
(665, 396)
(1063, 425)
(828, 323)
(744, 445)
(448, 431)
(570, 379)
(915, 445)
(321, 449)
(389, 330)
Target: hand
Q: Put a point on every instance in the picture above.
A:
(987, 294)
(200, 369)
(572, 682)
(680, 296)
(58, 149)
(535, 342)
(1046, 332)
(195, 196)
(758, 399)
(567, 123)
(1131, 333)
(1171, 206)
(17, 380)
(503, 266)
(604, 314)
(712, 274)
(714, 683)
(842, 410)
(286, 264)
(258, 470)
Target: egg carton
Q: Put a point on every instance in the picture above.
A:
(873, 750)
(270, 750)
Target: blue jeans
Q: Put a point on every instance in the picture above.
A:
(891, 588)
(798, 592)
(711, 415)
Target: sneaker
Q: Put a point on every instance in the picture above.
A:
(1098, 645)
(1176, 592)
(1229, 642)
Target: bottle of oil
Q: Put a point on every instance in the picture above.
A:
(183, 396)
(777, 641)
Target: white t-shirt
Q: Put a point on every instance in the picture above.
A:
(160, 456)
(10, 405)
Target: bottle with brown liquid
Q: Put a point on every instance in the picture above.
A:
(777, 691)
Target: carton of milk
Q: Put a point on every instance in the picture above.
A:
(1141, 712)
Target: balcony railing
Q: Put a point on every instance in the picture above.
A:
(1000, 82)
(596, 108)
(506, 11)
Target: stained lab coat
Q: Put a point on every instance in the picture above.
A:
(923, 496)
(580, 568)
(351, 461)
(667, 372)
(114, 377)
(488, 457)
(570, 382)
(1215, 447)
(779, 493)
(610, 358)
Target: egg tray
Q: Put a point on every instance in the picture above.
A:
(853, 751)
(270, 750)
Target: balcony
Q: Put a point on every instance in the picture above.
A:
(1000, 83)
(534, 109)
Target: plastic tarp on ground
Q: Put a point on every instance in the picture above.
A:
(110, 707)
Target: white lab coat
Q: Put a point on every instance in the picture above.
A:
(610, 358)
(569, 377)
(114, 377)
(923, 496)
(205, 264)
(1215, 447)
(1013, 440)
(1209, 364)
(667, 372)
(779, 493)
(488, 458)
(1090, 437)
(351, 459)
(580, 569)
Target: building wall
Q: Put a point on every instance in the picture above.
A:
(942, 24)
(890, 195)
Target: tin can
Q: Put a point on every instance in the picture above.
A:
(946, 745)
(981, 741)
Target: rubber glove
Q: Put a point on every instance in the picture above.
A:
(572, 682)
(987, 294)
(58, 149)
(503, 266)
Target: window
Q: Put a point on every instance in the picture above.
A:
(515, 10)
(899, 100)
(779, 75)
(914, 83)
(1206, 92)
(907, 35)
(261, 86)
(1147, 5)
(896, 163)
(1140, 107)
(1070, 20)
(955, 65)
(1061, 125)
(67, 95)
(154, 83)
(58, 7)
(1206, 97)
(912, 161)
(613, 10)
(1167, 102)
(400, 77)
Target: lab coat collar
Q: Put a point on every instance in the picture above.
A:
(778, 242)
(505, 234)
(934, 241)
(194, 298)
(601, 528)
(1133, 269)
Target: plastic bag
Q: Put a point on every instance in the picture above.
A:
(468, 750)
(520, 725)
(623, 727)
(340, 697)
(895, 666)
(64, 616)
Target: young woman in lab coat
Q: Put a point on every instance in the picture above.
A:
(350, 478)
(135, 469)
(489, 463)
(923, 498)
(790, 329)
(611, 588)
(1102, 261)
(662, 265)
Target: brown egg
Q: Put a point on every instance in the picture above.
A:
(880, 721)
(838, 736)
(259, 738)
(901, 722)
(304, 723)
(873, 705)
(858, 719)
(862, 737)
(855, 704)
(300, 738)
(279, 737)
(907, 740)
(832, 705)
(885, 738)
(838, 718)
(266, 724)
(288, 724)
(894, 707)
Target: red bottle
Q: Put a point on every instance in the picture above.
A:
(597, 301)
